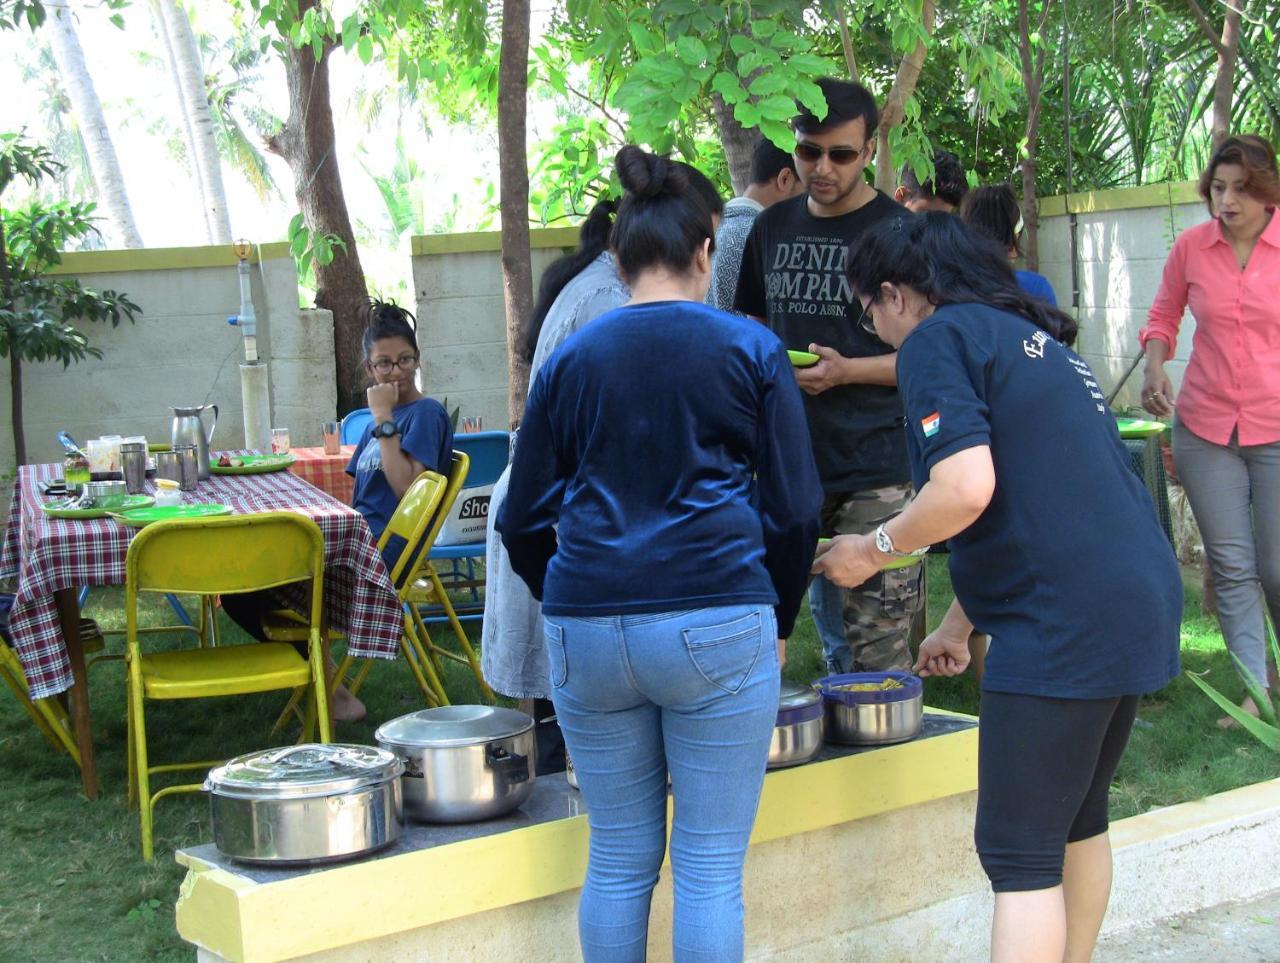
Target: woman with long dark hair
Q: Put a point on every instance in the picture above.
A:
(1226, 438)
(664, 508)
(1056, 553)
(993, 212)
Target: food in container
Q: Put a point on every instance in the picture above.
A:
(863, 709)
(462, 763)
(307, 803)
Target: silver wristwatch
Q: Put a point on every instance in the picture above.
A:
(885, 544)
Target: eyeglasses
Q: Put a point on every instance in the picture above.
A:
(841, 156)
(866, 322)
(384, 365)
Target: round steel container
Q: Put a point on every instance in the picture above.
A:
(462, 763)
(874, 718)
(797, 735)
(308, 803)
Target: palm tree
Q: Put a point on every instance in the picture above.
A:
(103, 161)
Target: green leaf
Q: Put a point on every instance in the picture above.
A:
(691, 51)
(728, 86)
(1269, 736)
(365, 48)
(741, 45)
(771, 82)
(764, 28)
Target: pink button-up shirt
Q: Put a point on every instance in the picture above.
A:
(1232, 381)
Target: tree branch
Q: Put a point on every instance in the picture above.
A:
(622, 128)
(846, 43)
(1206, 26)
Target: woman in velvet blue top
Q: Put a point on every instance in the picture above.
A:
(664, 506)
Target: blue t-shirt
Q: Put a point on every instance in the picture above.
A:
(1036, 285)
(1068, 569)
(641, 437)
(426, 436)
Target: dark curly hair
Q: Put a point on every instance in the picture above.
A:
(386, 319)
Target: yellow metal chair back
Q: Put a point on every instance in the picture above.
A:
(219, 556)
(412, 521)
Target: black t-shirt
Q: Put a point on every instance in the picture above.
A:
(1068, 569)
(793, 276)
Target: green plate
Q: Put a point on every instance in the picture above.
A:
(58, 507)
(1140, 427)
(141, 517)
(803, 359)
(893, 563)
(252, 464)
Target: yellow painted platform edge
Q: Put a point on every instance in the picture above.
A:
(485, 241)
(162, 258)
(207, 912)
(376, 898)
(1257, 799)
(1120, 199)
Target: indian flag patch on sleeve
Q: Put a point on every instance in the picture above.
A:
(931, 424)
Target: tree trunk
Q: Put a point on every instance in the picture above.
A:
(846, 42)
(1224, 84)
(195, 101)
(307, 143)
(162, 31)
(738, 142)
(1032, 82)
(513, 178)
(15, 361)
(895, 105)
(104, 164)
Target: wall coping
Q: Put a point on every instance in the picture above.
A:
(163, 258)
(1121, 199)
(480, 242)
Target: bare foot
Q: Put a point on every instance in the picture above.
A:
(346, 707)
(1248, 705)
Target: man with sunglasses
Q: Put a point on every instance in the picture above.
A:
(793, 279)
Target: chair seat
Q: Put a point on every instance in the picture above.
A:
(228, 670)
(286, 625)
(470, 550)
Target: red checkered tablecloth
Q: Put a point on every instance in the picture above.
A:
(327, 472)
(47, 555)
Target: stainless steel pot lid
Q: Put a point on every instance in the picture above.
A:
(793, 695)
(450, 726)
(301, 771)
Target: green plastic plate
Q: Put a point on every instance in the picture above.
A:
(141, 517)
(893, 563)
(58, 507)
(252, 464)
(803, 359)
(1140, 427)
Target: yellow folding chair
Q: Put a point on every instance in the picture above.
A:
(49, 715)
(218, 556)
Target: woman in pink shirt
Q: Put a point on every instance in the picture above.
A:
(1226, 438)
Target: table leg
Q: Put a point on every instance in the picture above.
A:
(69, 614)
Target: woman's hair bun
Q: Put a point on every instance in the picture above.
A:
(645, 175)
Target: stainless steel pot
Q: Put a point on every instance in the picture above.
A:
(797, 735)
(875, 718)
(462, 764)
(308, 803)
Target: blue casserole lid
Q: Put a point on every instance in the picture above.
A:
(798, 703)
(912, 688)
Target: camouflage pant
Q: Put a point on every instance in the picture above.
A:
(876, 616)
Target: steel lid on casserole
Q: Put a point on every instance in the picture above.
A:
(450, 726)
(300, 771)
(798, 703)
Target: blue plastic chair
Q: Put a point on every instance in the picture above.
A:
(354, 426)
(489, 452)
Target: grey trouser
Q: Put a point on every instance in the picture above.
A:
(1234, 491)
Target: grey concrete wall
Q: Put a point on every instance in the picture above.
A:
(181, 351)
(461, 319)
(1120, 256)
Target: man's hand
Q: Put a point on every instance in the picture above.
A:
(382, 398)
(942, 654)
(826, 374)
(848, 560)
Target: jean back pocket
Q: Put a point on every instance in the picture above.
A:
(725, 654)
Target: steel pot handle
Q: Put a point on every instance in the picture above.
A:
(511, 767)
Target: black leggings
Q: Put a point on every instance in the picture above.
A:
(1044, 769)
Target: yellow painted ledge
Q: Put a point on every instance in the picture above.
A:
(1121, 199)
(489, 241)
(162, 258)
(240, 920)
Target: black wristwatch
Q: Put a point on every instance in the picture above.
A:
(386, 429)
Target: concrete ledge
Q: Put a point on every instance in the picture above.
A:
(419, 244)
(163, 258)
(1121, 199)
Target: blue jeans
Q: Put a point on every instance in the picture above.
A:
(694, 693)
(826, 604)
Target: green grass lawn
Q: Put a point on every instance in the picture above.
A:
(73, 886)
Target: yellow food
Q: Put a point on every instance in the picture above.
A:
(882, 686)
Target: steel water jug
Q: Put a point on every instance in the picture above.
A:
(188, 429)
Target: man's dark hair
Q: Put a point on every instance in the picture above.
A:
(992, 211)
(846, 101)
(768, 161)
(948, 262)
(948, 183)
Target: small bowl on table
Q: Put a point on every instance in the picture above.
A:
(106, 494)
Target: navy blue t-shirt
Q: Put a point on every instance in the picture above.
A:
(640, 439)
(426, 436)
(1036, 285)
(1068, 569)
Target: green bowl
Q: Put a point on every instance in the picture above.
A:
(894, 562)
(1140, 427)
(142, 517)
(803, 359)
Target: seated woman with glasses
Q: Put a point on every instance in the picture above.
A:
(409, 434)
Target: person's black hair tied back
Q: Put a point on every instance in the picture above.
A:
(386, 319)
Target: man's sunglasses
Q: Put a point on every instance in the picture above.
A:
(841, 156)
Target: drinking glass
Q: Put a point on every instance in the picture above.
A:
(280, 441)
(332, 442)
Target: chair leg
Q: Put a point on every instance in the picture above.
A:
(361, 674)
(461, 635)
(141, 775)
(424, 672)
(319, 687)
(290, 708)
(20, 693)
(129, 750)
